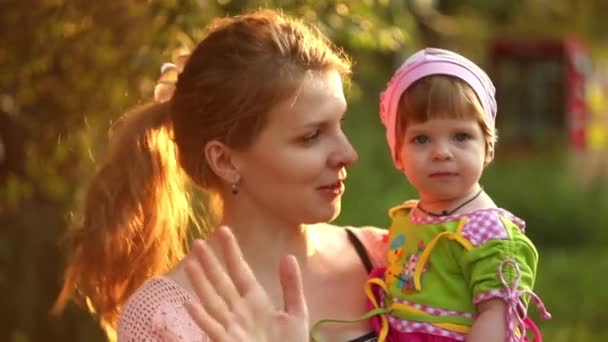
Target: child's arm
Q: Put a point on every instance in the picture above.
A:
(491, 324)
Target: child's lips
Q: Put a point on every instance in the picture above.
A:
(442, 174)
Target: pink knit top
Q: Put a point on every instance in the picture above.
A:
(156, 313)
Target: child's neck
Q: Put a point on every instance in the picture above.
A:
(474, 199)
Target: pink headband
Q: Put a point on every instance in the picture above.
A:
(427, 62)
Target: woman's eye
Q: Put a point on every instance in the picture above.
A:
(461, 136)
(420, 139)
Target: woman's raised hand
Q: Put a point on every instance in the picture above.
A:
(234, 306)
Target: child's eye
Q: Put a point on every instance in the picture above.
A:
(462, 136)
(420, 139)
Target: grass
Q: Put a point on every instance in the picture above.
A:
(572, 284)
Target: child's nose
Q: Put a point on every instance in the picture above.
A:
(441, 151)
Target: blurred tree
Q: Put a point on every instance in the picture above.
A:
(487, 18)
(74, 65)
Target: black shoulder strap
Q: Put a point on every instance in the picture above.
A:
(369, 337)
(360, 249)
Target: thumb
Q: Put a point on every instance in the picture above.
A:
(293, 288)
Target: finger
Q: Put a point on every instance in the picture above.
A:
(238, 269)
(293, 288)
(212, 328)
(215, 272)
(206, 292)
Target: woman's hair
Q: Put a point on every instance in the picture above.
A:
(441, 96)
(136, 209)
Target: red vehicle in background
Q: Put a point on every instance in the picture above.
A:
(540, 89)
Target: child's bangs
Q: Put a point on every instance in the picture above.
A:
(439, 97)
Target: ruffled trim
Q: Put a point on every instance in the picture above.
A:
(419, 219)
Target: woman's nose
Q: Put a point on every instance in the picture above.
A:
(345, 155)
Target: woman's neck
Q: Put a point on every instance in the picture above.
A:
(263, 243)
(265, 239)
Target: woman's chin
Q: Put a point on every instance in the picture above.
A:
(332, 212)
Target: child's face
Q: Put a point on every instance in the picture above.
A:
(443, 158)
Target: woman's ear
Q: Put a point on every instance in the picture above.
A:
(220, 159)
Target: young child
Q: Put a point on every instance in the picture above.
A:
(459, 268)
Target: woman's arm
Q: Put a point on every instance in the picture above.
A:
(234, 306)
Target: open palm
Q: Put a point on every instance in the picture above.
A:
(234, 306)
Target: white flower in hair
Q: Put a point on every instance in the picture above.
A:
(165, 85)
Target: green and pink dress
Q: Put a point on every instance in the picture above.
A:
(440, 268)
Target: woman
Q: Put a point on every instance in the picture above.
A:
(255, 122)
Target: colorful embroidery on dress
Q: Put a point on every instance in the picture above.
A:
(410, 269)
(401, 268)
(395, 257)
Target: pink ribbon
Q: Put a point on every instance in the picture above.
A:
(517, 319)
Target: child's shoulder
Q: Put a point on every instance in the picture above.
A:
(488, 224)
(403, 208)
(497, 216)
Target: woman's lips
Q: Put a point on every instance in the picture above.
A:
(334, 189)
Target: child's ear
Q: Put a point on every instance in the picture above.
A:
(489, 154)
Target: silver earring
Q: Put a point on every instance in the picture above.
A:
(234, 188)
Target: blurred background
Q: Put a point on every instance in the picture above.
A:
(70, 67)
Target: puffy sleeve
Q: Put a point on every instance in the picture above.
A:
(156, 313)
(502, 258)
(498, 266)
(501, 263)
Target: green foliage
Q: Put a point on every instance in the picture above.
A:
(547, 193)
(570, 282)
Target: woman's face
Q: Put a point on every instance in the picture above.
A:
(295, 169)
